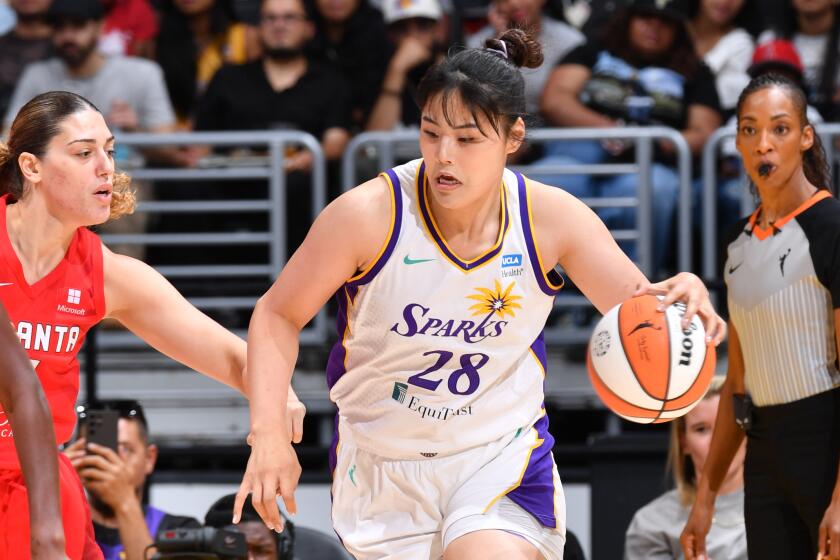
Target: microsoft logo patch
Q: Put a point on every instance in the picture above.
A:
(399, 392)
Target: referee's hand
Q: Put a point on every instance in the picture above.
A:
(829, 538)
(693, 537)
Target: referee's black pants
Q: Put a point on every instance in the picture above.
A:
(789, 475)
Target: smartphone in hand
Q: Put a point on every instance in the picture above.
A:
(100, 427)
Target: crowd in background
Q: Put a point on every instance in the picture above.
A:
(334, 68)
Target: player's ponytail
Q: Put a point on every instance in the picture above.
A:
(35, 125)
(487, 81)
(6, 168)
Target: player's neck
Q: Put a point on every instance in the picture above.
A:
(39, 240)
(471, 229)
(776, 203)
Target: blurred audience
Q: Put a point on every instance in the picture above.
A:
(654, 532)
(285, 89)
(814, 28)
(718, 29)
(196, 38)
(116, 480)
(351, 34)
(130, 28)
(418, 33)
(557, 39)
(27, 42)
(644, 72)
(129, 91)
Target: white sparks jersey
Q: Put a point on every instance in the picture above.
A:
(437, 354)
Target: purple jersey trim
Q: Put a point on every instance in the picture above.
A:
(439, 241)
(396, 194)
(525, 219)
(338, 354)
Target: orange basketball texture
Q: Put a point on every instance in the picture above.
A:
(642, 364)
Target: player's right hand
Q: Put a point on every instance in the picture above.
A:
(693, 537)
(273, 470)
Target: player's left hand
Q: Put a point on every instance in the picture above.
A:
(829, 538)
(104, 473)
(689, 289)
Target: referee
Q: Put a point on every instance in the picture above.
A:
(783, 386)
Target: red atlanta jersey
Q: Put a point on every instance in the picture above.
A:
(51, 318)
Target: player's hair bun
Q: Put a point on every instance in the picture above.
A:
(521, 48)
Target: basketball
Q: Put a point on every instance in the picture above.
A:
(644, 366)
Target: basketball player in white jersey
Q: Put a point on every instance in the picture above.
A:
(443, 269)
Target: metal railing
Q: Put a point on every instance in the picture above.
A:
(268, 168)
(388, 144)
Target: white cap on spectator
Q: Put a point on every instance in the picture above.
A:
(396, 10)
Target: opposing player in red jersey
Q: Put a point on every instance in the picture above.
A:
(28, 413)
(57, 280)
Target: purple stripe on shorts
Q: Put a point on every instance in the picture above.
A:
(536, 492)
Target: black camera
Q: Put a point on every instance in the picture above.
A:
(206, 543)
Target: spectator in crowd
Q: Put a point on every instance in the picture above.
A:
(351, 34)
(645, 72)
(196, 38)
(286, 89)
(417, 31)
(814, 28)
(718, 29)
(130, 28)
(116, 480)
(129, 91)
(263, 544)
(654, 532)
(29, 41)
(557, 39)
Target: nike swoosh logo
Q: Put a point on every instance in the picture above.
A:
(409, 260)
(736, 267)
(6, 284)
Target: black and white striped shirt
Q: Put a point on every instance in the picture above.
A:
(784, 284)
